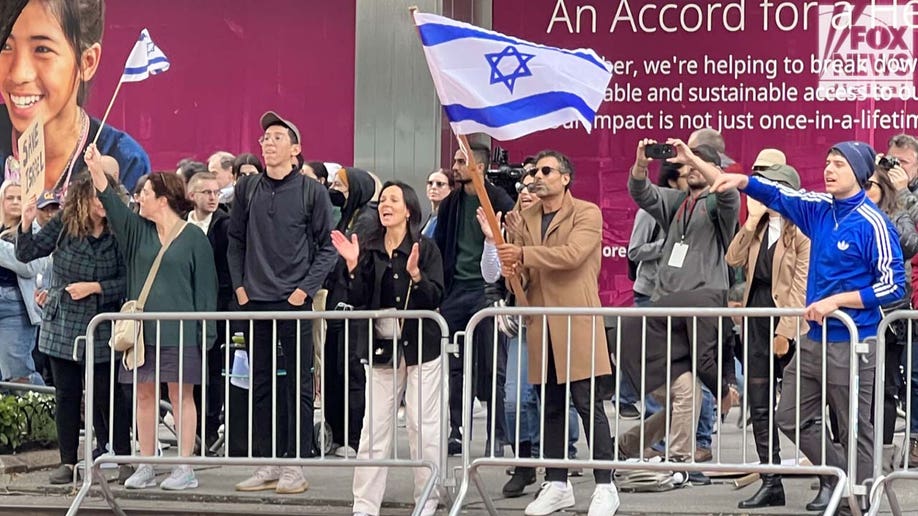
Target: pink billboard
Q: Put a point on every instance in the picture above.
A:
(232, 60)
(797, 76)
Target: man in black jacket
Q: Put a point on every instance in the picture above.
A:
(204, 191)
(459, 237)
(280, 252)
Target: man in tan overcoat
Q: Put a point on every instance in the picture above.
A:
(556, 247)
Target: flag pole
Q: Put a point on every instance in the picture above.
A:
(478, 182)
(107, 111)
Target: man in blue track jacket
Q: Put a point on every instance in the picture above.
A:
(855, 266)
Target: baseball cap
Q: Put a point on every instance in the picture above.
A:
(271, 118)
(782, 173)
(47, 198)
(769, 157)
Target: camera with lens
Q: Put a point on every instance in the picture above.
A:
(504, 174)
(888, 163)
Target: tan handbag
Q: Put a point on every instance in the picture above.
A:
(127, 334)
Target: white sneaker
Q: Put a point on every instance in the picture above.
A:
(430, 508)
(345, 451)
(182, 478)
(265, 478)
(291, 481)
(553, 497)
(143, 478)
(604, 501)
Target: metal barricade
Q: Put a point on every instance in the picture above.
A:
(845, 487)
(883, 481)
(351, 319)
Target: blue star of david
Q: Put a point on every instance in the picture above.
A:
(509, 79)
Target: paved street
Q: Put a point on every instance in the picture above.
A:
(330, 490)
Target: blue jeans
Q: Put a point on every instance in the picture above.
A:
(529, 401)
(528, 397)
(705, 420)
(17, 338)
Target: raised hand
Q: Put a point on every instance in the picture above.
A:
(348, 249)
(483, 222)
(515, 225)
(412, 265)
(28, 214)
(724, 182)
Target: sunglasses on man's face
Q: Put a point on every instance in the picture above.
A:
(438, 184)
(546, 171)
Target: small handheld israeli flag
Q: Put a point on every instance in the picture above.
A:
(146, 59)
(506, 87)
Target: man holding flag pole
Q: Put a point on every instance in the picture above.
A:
(507, 88)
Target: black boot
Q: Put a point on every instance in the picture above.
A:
(826, 486)
(521, 476)
(770, 494)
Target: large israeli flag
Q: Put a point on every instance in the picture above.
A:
(507, 87)
(146, 59)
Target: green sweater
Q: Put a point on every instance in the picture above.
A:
(187, 277)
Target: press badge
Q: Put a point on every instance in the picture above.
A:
(677, 257)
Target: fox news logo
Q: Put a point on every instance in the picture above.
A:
(866, 49)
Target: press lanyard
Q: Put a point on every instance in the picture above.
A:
(686, 220)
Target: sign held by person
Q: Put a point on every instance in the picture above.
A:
(32, 159)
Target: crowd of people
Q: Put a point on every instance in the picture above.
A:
(280, 234)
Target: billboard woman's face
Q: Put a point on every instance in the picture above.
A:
(39, 72)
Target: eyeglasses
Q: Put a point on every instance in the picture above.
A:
(273, 138)
(209, 193)
(546, 171)
(438, 184)
(871, 183)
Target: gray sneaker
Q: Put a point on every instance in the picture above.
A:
(265, 478)
(143, 478)
(292, 481)
(182, 478)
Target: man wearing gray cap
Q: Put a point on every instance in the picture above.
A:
(279, 253)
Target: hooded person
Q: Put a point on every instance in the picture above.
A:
(354, 191)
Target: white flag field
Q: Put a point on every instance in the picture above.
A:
(508, 87)
(146, 59)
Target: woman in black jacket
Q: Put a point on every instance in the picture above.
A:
(397, 268)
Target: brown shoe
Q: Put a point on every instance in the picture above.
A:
(703, 455)
(913, 454)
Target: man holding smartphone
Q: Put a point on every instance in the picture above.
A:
(691, 272)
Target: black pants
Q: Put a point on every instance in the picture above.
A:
(262, 348)
(554, 441)
(213, 382)
(68, 393)
(457, 308)
(340, 360)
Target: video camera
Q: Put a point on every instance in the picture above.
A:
(504, 174)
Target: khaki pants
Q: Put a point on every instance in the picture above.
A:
(423, 422)
(682, 424)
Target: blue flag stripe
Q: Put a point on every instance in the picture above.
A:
(520, 110)
(436, 33)
(148, 67)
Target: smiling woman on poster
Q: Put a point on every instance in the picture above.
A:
(46, 65)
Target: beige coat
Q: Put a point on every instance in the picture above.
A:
(789, 270)
(563, 271)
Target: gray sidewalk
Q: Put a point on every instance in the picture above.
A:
(330, 490)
